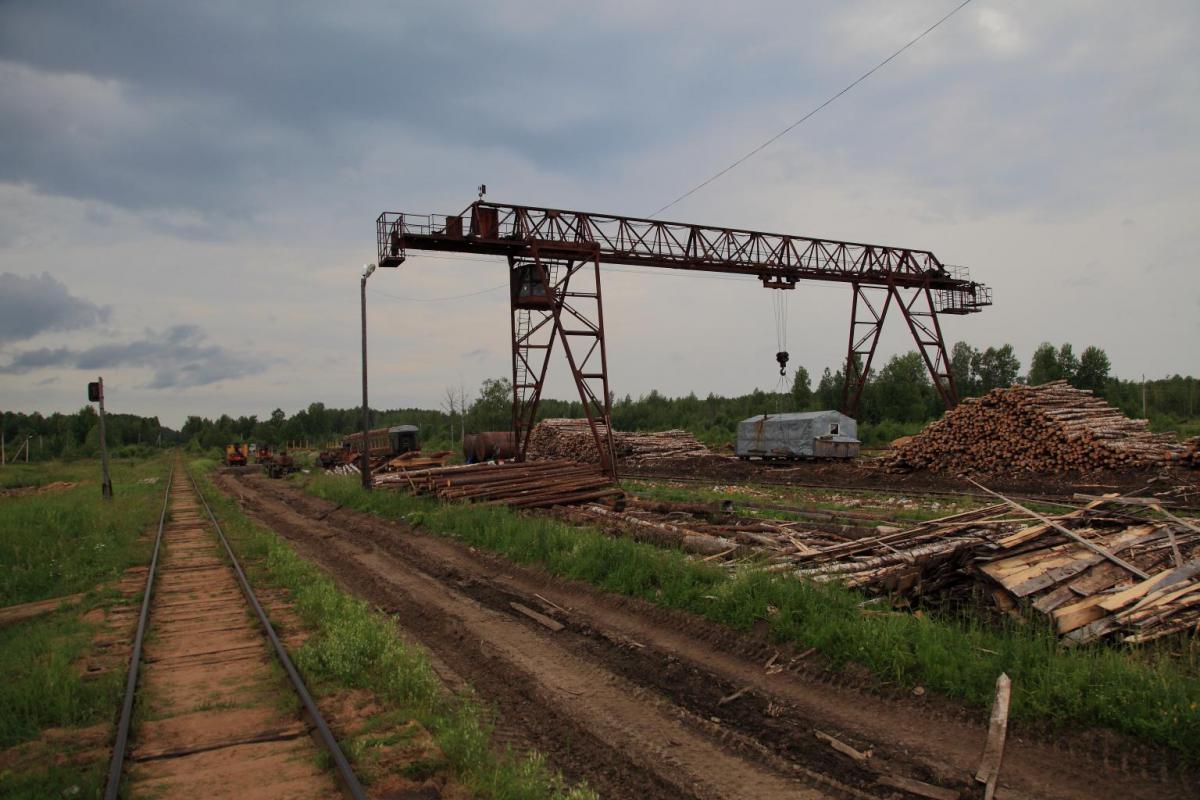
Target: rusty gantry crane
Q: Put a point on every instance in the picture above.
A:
(552, 252)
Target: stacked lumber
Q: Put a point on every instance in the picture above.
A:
(1043, 429)
(572, 439)
(516, 485)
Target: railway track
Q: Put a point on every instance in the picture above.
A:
(214, 718)
(766, 479)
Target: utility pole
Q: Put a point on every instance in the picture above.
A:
(96, 395)
(1143, 396)
(366, 414)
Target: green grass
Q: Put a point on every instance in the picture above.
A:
(54, 544)
(62, 542)
(1151, 695)
(42, 687)
(352, 646)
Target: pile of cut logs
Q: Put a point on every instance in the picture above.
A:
(1121, 567)
(1043, 429)
(572, 439)
(1189, 453)
(516, 485)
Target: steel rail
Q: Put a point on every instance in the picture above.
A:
(1049, 500)
(345, 771)
(117, 765)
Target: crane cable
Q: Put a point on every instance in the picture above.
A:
(779, 308)
(803, 119)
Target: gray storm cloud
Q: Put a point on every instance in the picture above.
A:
(33, 304)
(178, 357)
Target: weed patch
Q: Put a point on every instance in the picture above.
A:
(65, 542)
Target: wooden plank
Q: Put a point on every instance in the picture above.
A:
(1162, 579)
(1076, 615)
(1034, 531)
(919, 788)
(843, 748)
(537, 617)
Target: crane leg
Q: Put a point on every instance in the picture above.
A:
(920, 312)
(866, 323)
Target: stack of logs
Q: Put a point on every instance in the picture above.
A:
(1043, 429)
(572, 439)
(1189, 453)
(1119, 567)
(516, 485)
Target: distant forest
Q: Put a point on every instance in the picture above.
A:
(898, 400)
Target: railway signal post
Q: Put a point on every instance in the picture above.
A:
(96, 395)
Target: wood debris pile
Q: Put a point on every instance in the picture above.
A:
(1124, 568)
(1043, 429)
(516, 485)
(412, 460)
(572, 439)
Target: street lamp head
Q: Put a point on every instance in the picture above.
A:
(367, 270)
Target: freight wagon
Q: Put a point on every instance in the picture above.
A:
(389, 442)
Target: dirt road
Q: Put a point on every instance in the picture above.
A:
(646, 703)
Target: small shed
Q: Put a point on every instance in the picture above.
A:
(805, 434)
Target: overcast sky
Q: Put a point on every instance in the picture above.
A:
(188, 191)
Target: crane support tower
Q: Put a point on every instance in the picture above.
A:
(554, 259)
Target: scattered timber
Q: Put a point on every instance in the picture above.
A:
(1051, 428)
(572, 439)
(1119, 567)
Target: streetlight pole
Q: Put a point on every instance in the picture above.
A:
(366, 414)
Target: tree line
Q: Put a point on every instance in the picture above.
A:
(898, 399)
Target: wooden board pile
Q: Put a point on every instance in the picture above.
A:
(413, 460)
(572, 439)
(1043, 429)
(1111, 574)
(1116, 567)
(516, 485)
(1100, 570)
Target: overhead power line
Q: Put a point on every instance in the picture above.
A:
(798, 122)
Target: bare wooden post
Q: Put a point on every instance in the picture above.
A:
(993, 751)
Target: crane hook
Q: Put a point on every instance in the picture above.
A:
(782, 358)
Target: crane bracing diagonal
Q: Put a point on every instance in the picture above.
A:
(554, 259)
